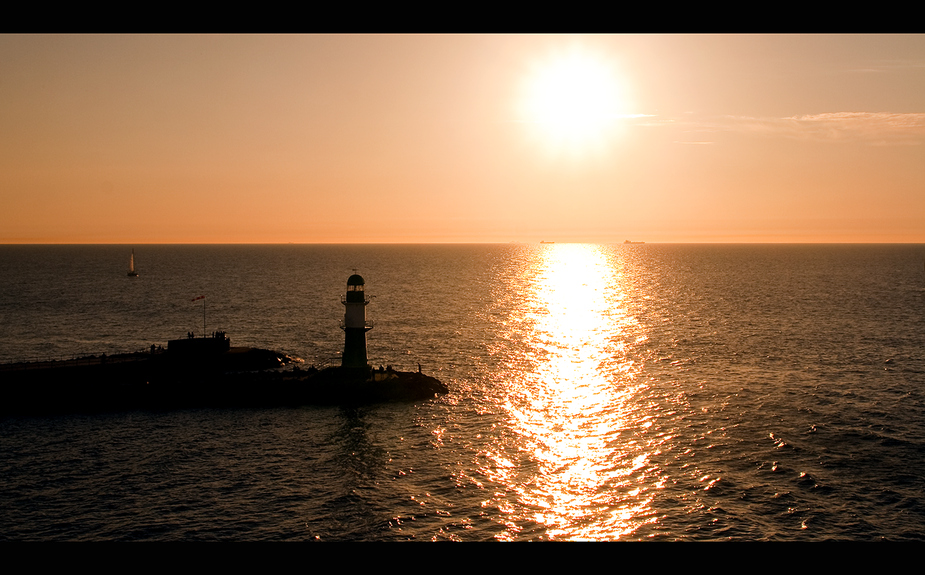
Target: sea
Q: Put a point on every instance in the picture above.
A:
(598, 392)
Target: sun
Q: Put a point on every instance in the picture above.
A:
(572, 100)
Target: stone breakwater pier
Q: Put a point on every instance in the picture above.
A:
(209, 372)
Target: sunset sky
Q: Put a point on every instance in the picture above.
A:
(461, 138)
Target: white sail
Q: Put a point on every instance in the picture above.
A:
(131, 264)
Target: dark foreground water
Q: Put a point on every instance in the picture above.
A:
(666, 392)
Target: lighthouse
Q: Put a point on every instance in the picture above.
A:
(355, 324)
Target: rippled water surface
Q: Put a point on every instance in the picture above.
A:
(598, 392)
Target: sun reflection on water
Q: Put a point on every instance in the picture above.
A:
(574, 401)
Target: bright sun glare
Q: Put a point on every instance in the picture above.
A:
(572, 100)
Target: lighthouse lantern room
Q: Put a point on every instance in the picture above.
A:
(355, 324)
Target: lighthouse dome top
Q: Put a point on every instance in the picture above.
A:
(355, 280)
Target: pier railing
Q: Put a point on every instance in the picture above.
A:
(142, 354)
(374, 363)
(46, 362)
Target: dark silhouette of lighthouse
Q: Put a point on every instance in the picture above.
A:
(355, 324)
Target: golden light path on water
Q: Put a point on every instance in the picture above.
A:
(574, 400)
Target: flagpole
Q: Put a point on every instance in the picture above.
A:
(203, 298)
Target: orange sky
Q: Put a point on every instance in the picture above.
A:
(292, 138)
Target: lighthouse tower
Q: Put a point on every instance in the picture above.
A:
(355, 324)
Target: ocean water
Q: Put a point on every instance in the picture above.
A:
(598, 392)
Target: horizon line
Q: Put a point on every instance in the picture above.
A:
(615, 242)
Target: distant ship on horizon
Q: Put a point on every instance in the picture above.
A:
(631, 242)
(131, 265)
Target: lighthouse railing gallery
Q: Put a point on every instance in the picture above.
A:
(343, 299)
(368, 324)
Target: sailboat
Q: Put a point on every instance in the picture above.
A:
(131, 265)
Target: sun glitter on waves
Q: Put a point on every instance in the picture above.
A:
(572, 101)
(573, 402)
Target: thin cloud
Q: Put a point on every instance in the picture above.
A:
(888, 66)
(878, 128)
(873, 127)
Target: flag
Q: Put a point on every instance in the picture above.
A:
(199, 298)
